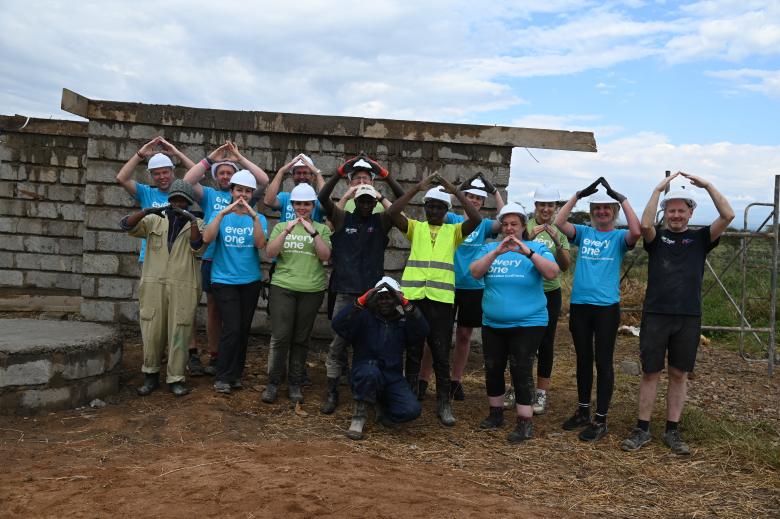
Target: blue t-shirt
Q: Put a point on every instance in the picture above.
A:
(514, 289)
(236, 259)
(212, 202)
(148, 196)
(469, 251)
(597, 272)
(287, 213)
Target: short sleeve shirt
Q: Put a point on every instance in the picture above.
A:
(297, 266)
(148, 196)
(469, 251)
(675, 270)
(514, 293)
(544, 237)
(236, 260)
(597, 272)
(287, 212)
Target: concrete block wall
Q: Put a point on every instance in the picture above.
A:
(42, 170)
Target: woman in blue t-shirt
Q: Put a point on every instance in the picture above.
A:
(514, 316)
(239, 232)
(594, 310)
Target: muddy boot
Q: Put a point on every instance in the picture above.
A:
(270, 393)
(443, 405)
(151, 382)
(355, 431)
(331, 397)
(495, 418)
(294, 393)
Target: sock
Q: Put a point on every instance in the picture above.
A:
(584, 409)
(643, 424)
(671, 426)
(600, 418)
(540, 391)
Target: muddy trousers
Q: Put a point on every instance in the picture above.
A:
(594, 330)
(336, 361)
(237, 304)
(518, 345)
(547, 347)
(166, 314)
(292, 320)
(440, 317)
(390, 391)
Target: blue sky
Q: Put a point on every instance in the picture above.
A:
(692, 86)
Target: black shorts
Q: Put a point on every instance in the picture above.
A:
(468, 307)
(205, 275)
(677, 334)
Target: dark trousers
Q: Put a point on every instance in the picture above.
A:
(519, 346)
(292, 320)
(594, 330)
(237, 304)
(440, 317)
(547, 347)
(392, 393)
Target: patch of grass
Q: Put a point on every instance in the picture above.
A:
(756, 442)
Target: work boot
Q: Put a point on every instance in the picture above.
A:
(151, 382)
(270, 392)
(673, 441)
(295, 393)
(456, 391)
(355, 431)
(594, 432)
(495, 419)
(331, 397)
(194, 366)
(220, 386)
(524, 430)
(211, 368)
(444, 407)
(178, 388)
(422, 388)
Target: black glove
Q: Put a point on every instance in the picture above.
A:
(590, 189)
(611, 192)
(156, 210)
(467, 183)
(489, 187)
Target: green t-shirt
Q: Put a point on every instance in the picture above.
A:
(297, 266)
(349, 207)
(543, 237)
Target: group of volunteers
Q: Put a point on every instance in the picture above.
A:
(501, 275)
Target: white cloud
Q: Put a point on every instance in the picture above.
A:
(635, 164)
(763, 81)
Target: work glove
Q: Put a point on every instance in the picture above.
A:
(611, 192)
(156, 210)
(592, 188)
(489, 187)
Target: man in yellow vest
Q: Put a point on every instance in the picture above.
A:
(429, 277)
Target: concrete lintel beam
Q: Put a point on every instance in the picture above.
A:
(326, 125)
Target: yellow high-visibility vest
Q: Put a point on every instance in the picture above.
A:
(430, 270)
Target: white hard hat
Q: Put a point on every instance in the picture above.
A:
(547, 194)
(159, 160)
(477, 188)
(301, 162)
(438, 193)
(601, 197)
(679, 194)
(511, 208)
(244, 178)
(303, 193)
(216, 165)
(390, 281)
(361, 165)
(365, 189)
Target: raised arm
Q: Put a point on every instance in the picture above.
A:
(562, 218)
(634, 227)
(647, 224)
(320, 247)
(257, 171)
(211, 231)
(171, 150)
(273, 188)
(125, 175)
(474, 218)
(198, 170)
(274, 246)
(396, 208)
(725, 212)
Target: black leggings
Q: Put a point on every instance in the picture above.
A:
(586, 323)
(440, 317)
(237, 304)
(519, 345)
(547, 347)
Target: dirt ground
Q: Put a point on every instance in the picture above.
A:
(207, 454)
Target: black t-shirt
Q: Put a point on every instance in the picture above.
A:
(676, 269)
